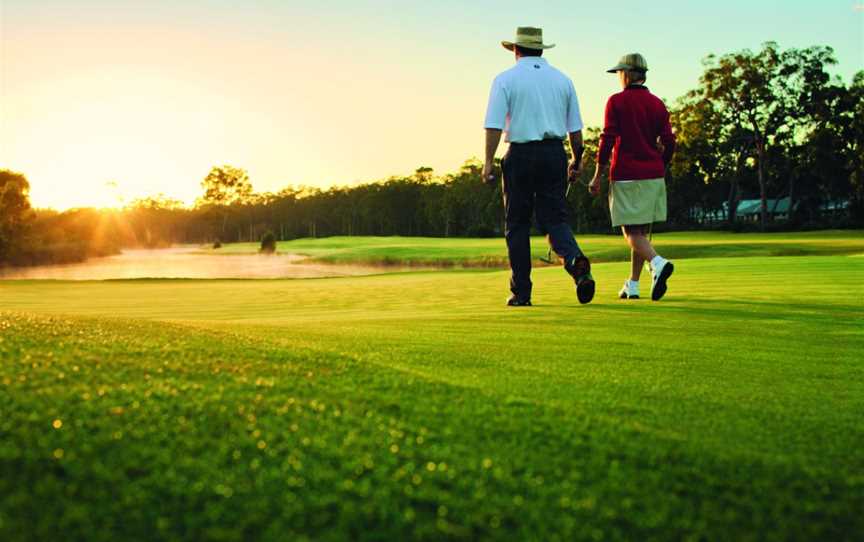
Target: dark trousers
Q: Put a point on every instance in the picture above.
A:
(535, 181)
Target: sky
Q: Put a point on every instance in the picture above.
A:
(103, 101)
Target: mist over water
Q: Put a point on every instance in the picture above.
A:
(188, 263)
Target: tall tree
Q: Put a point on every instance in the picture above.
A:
(15, 212)
(223, 187)
(806, 133)
(226, 185)
(851, 140)
(743, 88)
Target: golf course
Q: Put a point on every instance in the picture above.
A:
(415, 405)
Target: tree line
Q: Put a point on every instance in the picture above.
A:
(771, 127)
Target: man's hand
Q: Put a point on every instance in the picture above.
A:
(489, 174)
(573, 171)
(594, 185)
(493, 137)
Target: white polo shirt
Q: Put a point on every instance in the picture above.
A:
(533, 101)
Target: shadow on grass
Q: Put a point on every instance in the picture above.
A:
(744, 309)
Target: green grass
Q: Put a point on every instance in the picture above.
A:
(416, 406)
(420, 251)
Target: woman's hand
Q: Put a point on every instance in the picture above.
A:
(594, 185)
(574, 168)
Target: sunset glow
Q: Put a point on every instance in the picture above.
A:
(103, 102)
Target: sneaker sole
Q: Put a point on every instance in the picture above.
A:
(585, 291)
(659, 289)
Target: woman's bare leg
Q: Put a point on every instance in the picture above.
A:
(640, 249)
(640, 245)
(636, 264)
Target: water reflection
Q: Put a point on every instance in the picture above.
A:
(184, 262)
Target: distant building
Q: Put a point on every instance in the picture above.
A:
(750, 210)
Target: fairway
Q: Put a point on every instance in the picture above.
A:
(491, 252)
(415, 405)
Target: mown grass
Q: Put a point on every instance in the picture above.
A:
(458, 252)
(415, 406)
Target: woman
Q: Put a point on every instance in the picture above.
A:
(635, 121)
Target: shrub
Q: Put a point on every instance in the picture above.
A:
(268, 243)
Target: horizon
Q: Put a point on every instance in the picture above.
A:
(103, 103)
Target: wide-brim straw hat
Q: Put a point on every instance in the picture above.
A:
(634, 62)
(528, 37)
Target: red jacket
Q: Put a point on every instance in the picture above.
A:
(634, 121)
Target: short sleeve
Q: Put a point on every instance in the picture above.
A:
(496, 111)
(574, 116)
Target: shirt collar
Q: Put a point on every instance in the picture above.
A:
(532, 59)
(636, 86)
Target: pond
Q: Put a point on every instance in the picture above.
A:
(190, 263)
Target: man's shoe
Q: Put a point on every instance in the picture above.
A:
(628, 291)
(518, 302)
(580, 269)
(585, 289)
(661, 275)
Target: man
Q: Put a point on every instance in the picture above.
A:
(635, 121)
(536, 106)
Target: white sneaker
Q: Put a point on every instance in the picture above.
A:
(661, 274)
(630, 290)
